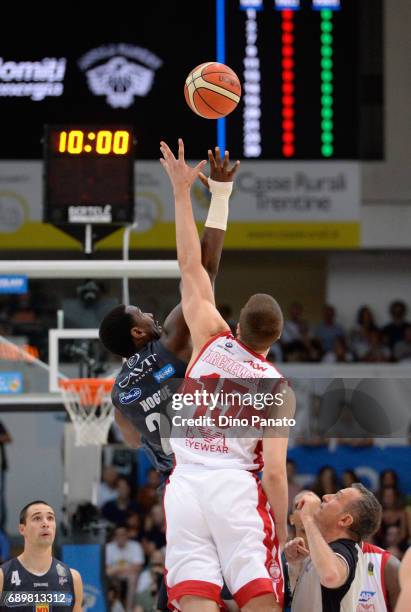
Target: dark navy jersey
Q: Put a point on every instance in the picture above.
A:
(26, 592)
(142, 392)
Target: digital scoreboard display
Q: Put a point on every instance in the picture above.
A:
(300, 64)
(89, 174)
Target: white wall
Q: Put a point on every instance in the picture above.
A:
(369, 278)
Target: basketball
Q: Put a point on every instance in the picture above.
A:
(212, 90)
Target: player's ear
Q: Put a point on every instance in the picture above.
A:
(22, 527)
(137, 333)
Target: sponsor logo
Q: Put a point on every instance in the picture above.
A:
(371, 569)
(62, 574)
(35, 80)
(40, 584)
(213, 441)
(42, 608)
(154, 400)
(256, 366)
(164, 373)
(139, 371)
(231, 366)
(130, 396)
(120, 72)
(90, 214)
(133, 360)
(229, 344)
(366, 596)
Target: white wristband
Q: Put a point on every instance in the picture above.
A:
(218, 212)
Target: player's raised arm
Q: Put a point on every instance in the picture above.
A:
(220, 182)
(198, 302)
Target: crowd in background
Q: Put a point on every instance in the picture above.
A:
(31, 315)
(329, 342)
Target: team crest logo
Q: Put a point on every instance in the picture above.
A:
(275, 571)
(62, 574)
(371, 569)
(120, 77)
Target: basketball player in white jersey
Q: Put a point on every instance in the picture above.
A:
(218, 519)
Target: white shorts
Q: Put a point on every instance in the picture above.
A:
(219, 527)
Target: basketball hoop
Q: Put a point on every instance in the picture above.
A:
(88, 402)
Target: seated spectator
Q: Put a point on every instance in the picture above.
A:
(295, 352)
(107, 489)
(392, 541)
(134, 526)
(348, 478)
(295, 326)
(328, 330)
(326, 481)
(147, 495)
(340, 352)
(377, 352)
(394, 332)
(293, 486)
(402, 350)
(117, 510)
(275, 354)
(154, 529)
(360, 335)
(124, 560)
(388, 478)
(149, 583)
(393, 515)
(114, 598)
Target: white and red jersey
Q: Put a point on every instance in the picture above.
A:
(220, 365)
(373, 595)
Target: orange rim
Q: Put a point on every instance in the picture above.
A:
(88, 389)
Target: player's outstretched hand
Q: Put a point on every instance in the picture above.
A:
(182, 176)
(219, 168)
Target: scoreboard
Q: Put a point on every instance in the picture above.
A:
(299, 63)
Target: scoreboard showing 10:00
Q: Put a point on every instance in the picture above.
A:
(297, 60)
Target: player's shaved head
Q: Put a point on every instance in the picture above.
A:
(261, 322)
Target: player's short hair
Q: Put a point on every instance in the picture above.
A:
(115, 333)
(261, 322)
(366, 512)
(23, 512)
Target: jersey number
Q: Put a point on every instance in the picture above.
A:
(153, 422)
(15, 578)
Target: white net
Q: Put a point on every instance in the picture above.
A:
(88, 402)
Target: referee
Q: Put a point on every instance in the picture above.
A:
(36, 580)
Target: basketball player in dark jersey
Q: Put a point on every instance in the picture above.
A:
(36, 581)
(155, 355)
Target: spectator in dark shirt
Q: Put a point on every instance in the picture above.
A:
(328, 330)
(360, 335)
(402, 350)
(394, 332)
(377, 352)
(117, 510)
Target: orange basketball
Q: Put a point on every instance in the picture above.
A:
(212, 90)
